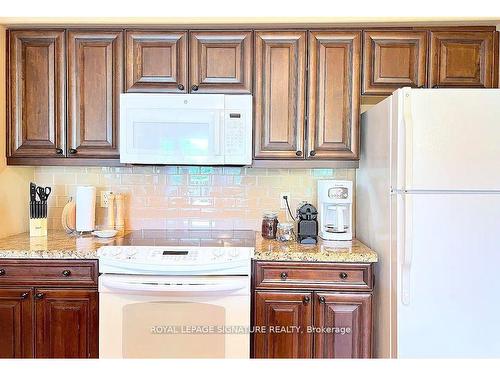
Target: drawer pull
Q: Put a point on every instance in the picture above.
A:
(2, 272)
(24, 295)
(343, 275)
(66, 273)
(39, 295)
(322, 299)
(283, 275)
(306, 299)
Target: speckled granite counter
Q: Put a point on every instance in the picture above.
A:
(59, 245)
(324, 251)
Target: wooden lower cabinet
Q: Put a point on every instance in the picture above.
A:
(41, 320)
(67, 323)
(297, 321)
(285, 317)
(16, 323)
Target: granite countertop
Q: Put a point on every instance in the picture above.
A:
(59, 245)
(324, 251)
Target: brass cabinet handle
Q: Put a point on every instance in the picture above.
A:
(306, 299)
(322, 299)
(2, 272)
(194, 87)
(72, 151)
(66, 273)
(39, 295)
(312, 153)
(180, 86)
(283, 275)
(343, 275)
(59, 151)
(298, 153)
(25, 295)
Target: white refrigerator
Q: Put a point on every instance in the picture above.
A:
(428, 201)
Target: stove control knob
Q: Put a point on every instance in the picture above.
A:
(115, 251)
(218, 252)
(234, 253)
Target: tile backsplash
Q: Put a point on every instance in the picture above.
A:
(187, 197)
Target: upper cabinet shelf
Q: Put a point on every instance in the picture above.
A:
(432, 58)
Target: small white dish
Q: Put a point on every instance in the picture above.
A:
(108, 233)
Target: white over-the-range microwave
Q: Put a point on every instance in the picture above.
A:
(186, 129)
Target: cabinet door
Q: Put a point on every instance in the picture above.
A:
(461, 59)
(276, 312)
(16, 327)
(66, 323)
(393, 59)
(36, 93)
(94, 87)
(344, 323)
(221, 61)
(156, 61)
(334, 91)
(279, 99)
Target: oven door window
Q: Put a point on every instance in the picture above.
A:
(173, 330)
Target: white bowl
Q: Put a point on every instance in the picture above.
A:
(108, 233)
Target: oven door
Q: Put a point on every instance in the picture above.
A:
(174, 316)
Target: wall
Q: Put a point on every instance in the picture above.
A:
(14, 181)
(187, 197)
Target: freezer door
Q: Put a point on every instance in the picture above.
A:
(447, 139)
(447, 276)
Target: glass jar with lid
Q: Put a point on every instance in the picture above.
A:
(269, 225)
(284, 232)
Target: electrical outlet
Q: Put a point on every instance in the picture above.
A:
(105, 198)
(282, 199)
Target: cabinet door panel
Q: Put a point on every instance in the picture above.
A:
(393, 59)
(156, 61)
(221, 61)
(462, 59)
(16, 328)
(66, 323)
(335, 314)
(279, 100)
(278, 310)
(94, 87)
(36, 90)
(334, 88)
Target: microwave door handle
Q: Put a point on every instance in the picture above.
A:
(218, 133)
(173, 288)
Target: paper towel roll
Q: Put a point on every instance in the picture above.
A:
(85, 208)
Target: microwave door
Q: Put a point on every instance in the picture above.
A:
(173, 136)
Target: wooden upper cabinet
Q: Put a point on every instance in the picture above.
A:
(344, 322)
(393, 59)
(220, 62)
(156, 61)
(16, 326)
(462, 59)
(279, 94)
(285, 310)
(94, 87)
(334, 95)
(66, 321)
(36, 93)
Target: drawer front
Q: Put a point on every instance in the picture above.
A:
(298, 275)
(42, 272)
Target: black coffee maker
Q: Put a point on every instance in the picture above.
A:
(307, 227)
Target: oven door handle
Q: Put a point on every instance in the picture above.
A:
(173, 288)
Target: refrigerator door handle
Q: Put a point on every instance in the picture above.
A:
(405, 235)
(405, 143)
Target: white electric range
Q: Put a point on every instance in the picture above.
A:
(176, 294)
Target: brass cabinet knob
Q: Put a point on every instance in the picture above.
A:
(59, 151)
(343, 275)
(180, 86)
(39, 295)
(306, 299)
(283, 275)
(298, 153)
(25, 295)
(322, 299)
(2, 272)
(312, 153)
(194, 87)
(72, 151)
